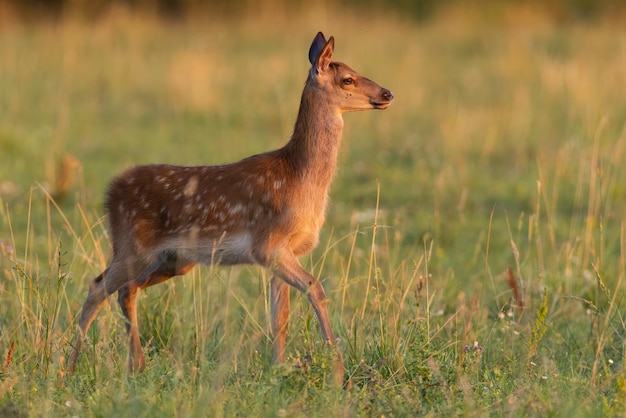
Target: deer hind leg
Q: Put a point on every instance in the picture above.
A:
(107, 283)
(280, 316)
(99, 290)
(127, 299)
(287, 267)
(95, 301)
(163, 270)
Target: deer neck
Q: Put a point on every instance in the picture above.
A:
(313, 149)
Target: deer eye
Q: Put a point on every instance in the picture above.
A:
(348, 81)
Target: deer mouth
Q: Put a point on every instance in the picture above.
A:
(381, 105)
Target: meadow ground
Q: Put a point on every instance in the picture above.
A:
(473, 255)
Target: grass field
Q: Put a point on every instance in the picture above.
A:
(474, 251)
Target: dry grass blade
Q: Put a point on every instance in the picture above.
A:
(7, 362)
(517, 293)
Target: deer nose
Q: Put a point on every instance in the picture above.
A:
(388, 95)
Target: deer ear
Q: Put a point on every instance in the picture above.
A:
(321, 52)
(316, 47)
(324, 58)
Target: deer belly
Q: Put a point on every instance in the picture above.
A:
(226, 250)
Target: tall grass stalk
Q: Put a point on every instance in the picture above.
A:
(613, 308)
(372, 265)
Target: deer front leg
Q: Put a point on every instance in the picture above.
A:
(280, 316)
(288, 268)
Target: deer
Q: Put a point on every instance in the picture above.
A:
(264, 210)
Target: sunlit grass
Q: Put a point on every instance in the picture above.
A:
(473, 253)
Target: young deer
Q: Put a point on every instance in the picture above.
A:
(266, 209)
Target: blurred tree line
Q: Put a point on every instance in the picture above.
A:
(421, 10)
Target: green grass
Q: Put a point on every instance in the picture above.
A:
(490, 281)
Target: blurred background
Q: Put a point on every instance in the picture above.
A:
(420, 10)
